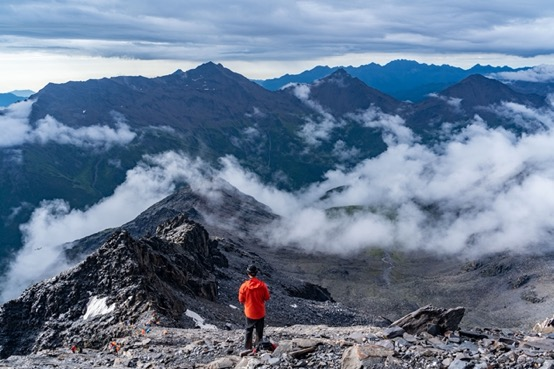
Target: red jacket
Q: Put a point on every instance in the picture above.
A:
(253, 293)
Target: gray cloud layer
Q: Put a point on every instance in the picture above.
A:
(208, 30)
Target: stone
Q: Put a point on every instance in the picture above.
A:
(548, 364)
(393, 331)
(545, 327)
(223, 363)
(458, 364)
(409, 337)
(366, 356)
(248, 362)
(431, 320)
(304, 343)
(358, 337)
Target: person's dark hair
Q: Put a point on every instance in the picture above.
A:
(252, 270)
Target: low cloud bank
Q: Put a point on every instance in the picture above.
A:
(14, 123)
(482, 191)
(540, 73)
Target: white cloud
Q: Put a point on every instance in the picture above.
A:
(454, 102)
(483, 190)
(315, 130)
(344, 153)
(539, 73)
(14, 122)
(49, 129)
(526, 117)
(249, 183)
(54, 223)
(479, 192)
(394, 130)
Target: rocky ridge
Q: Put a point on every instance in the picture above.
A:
(168, 278)
(137, 276)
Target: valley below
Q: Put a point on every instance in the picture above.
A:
(510, 291)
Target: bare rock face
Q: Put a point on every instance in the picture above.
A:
(125, 281)
(435, 321)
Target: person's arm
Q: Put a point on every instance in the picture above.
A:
(241, 294)
(266, 297)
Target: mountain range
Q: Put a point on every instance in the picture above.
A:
(402, 79)
(76, 149)
(74, 145)
(211, 112)
(8, 98)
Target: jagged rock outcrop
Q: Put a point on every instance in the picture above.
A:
(430, 319)
(125, 281)
(176, 277)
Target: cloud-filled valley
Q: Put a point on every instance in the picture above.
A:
(482, 190)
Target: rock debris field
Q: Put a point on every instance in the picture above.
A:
(306, 346)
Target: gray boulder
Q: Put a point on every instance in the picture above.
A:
(435, 321)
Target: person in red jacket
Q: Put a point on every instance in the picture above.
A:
(253, 294)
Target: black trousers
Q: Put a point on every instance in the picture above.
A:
(251, 324)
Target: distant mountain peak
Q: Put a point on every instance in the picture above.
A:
(478, 78)
(342, 93)
(478, 90)
(405, 63)
(340, 77)
(22, 93)
(9, 98)
(211, 66)
(341, 72)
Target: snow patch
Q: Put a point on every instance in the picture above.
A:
(199, 321)
(97, 307)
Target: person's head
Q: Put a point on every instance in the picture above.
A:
(252, 270)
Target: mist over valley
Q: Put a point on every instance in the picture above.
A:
(454, 189)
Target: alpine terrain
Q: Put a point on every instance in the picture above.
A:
(391, 233)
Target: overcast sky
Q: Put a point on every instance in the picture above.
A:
(59, 40)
